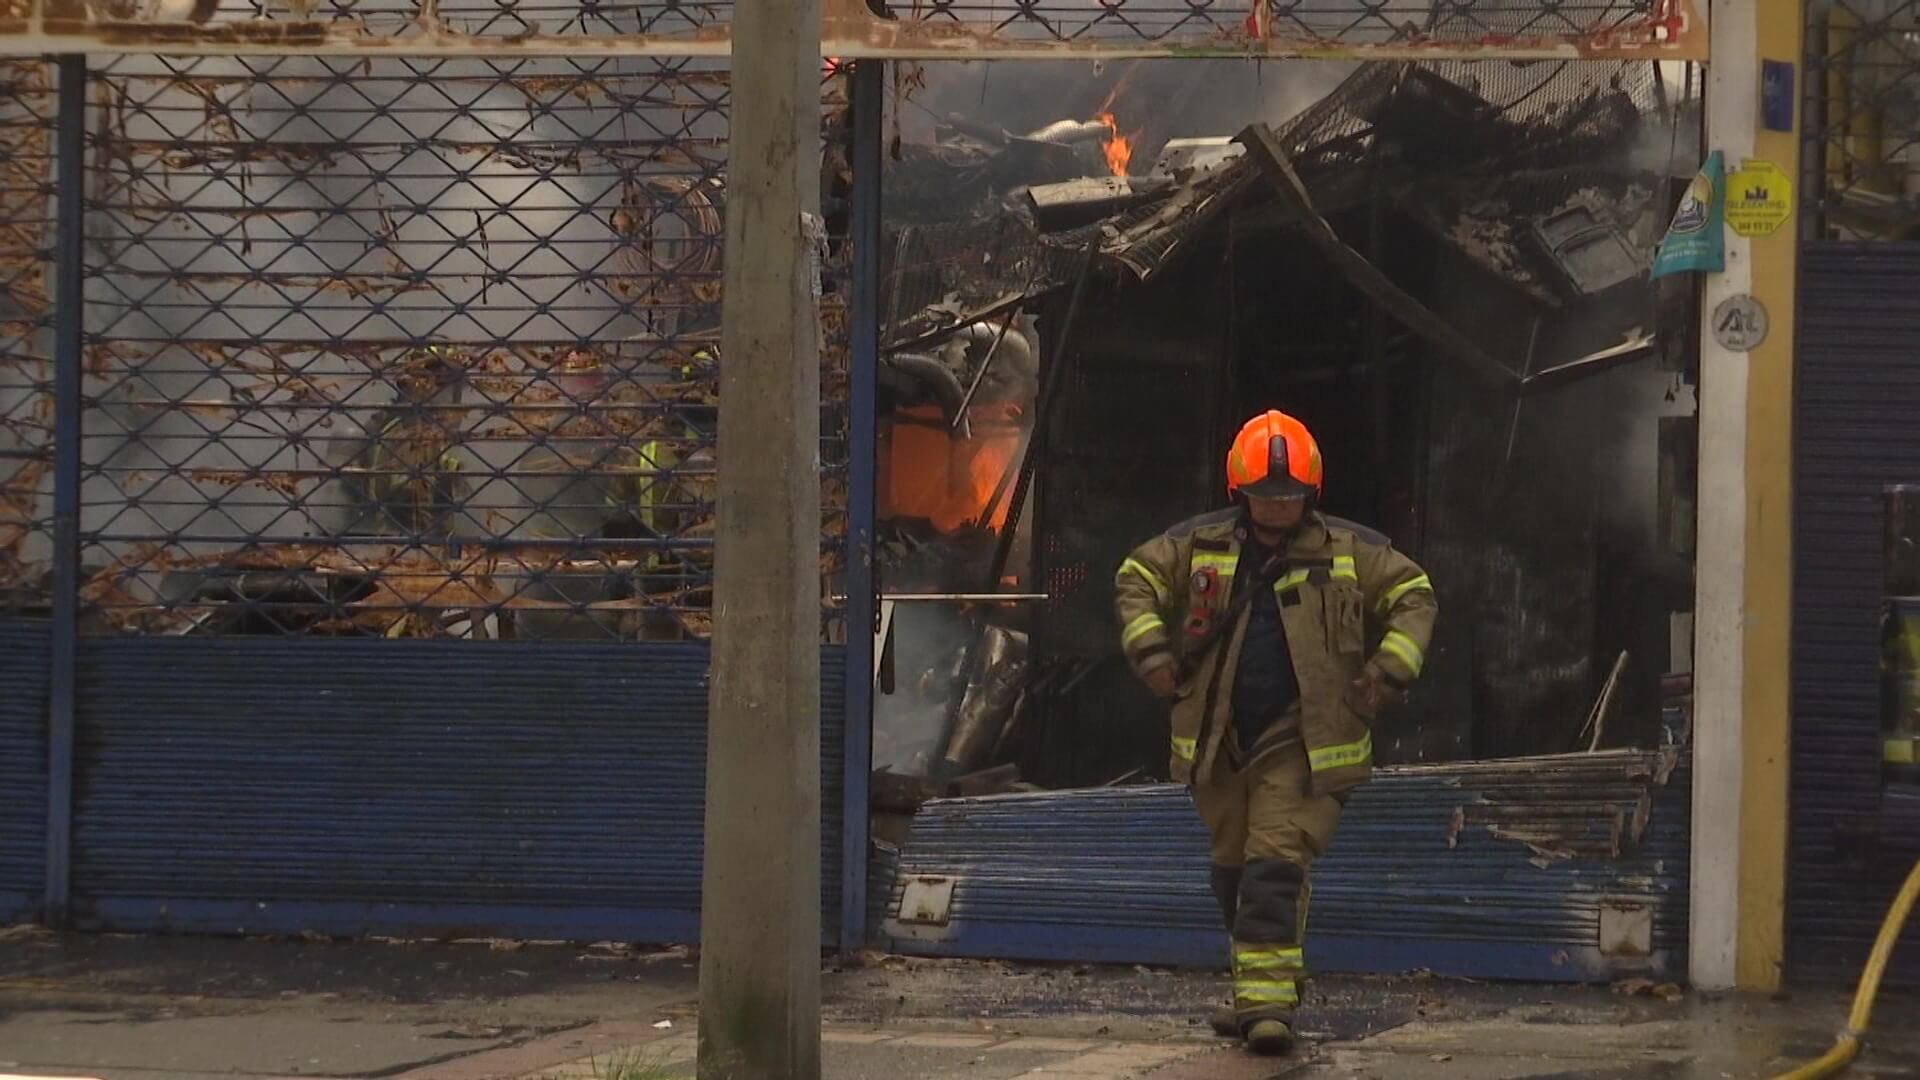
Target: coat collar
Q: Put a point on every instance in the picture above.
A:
(1311, 539)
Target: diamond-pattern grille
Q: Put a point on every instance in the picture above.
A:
(1862, 120)
(1409, 29)
(480, 18)
(1346, 22)
(406, 347)
(26, 370)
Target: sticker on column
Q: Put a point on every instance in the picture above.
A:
(1759, 198)
(1740, 323)
(1693, 240)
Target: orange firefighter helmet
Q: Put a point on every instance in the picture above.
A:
(1274, 457)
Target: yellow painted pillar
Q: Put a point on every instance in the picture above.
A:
(1767, 700)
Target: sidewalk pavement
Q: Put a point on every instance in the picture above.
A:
(1695, 1046)
(136, 1008)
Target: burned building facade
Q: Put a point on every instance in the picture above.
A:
(1450, 290)
(268, 323)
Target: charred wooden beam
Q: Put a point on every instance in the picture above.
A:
(1263, 147)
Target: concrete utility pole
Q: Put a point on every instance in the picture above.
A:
(760, 908)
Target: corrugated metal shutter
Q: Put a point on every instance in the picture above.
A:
(402, 787)
(1498, 869)
(23, 766)
(1857, 429)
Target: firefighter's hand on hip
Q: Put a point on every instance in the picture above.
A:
(1162, 682)
(1373, 691)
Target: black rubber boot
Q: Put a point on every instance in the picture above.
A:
(1269, 1038)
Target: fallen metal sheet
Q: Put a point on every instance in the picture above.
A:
(1516, 869)
(1638, 344)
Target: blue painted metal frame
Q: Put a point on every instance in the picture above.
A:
(24, 656)
(69, 310)
(869, 88)
(360, 919)
(439, 788)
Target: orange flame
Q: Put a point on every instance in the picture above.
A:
(1118, 147)
(927, 472)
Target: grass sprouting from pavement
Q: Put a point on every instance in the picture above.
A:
(632, 1065)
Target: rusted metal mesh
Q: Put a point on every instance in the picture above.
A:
(1403, 29)
(406, 18)
(26, 374)
(1862, 120)
(1348, 22)
(409, 347)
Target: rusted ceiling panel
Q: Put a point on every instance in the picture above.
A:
(1326, 29)
(915, 29)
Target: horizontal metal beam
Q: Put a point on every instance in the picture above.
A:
(1671, 30)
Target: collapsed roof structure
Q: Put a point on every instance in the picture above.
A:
(1488, 229)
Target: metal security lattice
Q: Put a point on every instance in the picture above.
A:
(26, 369)
(1862, 125)
(267, 23)
(1348, 22)
(869, 29)
(480, 18)
(403, 347)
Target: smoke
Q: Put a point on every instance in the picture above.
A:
(1164, 99)
(929, 643)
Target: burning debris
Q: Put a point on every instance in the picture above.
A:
(1548, 183)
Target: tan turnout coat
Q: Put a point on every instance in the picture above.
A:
(1348, 602)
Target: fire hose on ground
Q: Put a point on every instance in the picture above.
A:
(1847, 1046)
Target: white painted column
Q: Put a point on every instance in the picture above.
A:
(1732, 108)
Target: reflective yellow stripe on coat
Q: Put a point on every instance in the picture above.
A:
(1341, 755)
(1405, 650)
(1394, 594)
(1145, 624)
(1291, 580)
(1342, 570)
(1136, 567)
(1212, 560)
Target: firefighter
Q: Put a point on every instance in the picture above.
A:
(1278, 634)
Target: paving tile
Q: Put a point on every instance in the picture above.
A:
(1041, 1042)
(859, 1038)
(1230, 1063)
(951, 1042)
(543, 1056)
(1116, 1062)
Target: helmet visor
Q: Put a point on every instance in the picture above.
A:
(1277, 485)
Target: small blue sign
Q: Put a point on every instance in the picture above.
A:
(1776, 95)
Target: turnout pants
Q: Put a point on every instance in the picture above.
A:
(1267, 829)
